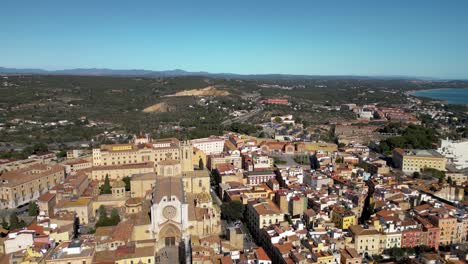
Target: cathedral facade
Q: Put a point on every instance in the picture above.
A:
(181, 206)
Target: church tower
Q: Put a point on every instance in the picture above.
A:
(186, 156)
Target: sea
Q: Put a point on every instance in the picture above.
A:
(449, 95)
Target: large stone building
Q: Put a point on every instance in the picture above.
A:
(19, 187)
(142, 155)
(181, 207)
(416, 160)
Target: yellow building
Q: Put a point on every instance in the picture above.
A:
(343, 218)
(60, 235)
(323, 257)
(416, 160)
(19, 187)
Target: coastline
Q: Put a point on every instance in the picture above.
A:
(441, 99)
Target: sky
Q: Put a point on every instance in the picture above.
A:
(425, 38)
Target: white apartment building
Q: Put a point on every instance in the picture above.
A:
(455, 151)
(211, 145)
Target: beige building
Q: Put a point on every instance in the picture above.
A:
(416, 160)
(457, 178)
(72, 166)
(261, 213)
(390, 240)
(18, 187)
(73, 252)
(210, 145)
(132, 254)
(140, 184)
(144, 150)
(448, 227)
(366, 240)
(83, 207)
(118, 172)
(46, 203)
(233, 158)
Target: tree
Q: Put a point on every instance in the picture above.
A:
(102, 212)
(397, 253)
(5, 224)
(33, 209)
(232, 211)
(102, 220)
(106, 187)
(277, 119)
(115, 217)
(15, 223)
(127, 180)
(200, 164)
(416, 175)
(449, 180)
(314, 162)
(61, 154)
(105, 220)
(76, 227)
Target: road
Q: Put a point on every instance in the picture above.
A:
(215, 198)
(243, 118)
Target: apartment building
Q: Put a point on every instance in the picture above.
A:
(73, 252)
(447, 225)
(19, 187)
(366, 240)
(416, 160)
(261, 213)
(343, 218)
(350, 256)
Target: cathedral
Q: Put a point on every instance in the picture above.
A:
(181, 206)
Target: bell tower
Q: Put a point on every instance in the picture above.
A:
(186, 156)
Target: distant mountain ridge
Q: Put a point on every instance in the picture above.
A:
(179, 72)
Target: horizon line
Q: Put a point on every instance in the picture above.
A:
(194, 72)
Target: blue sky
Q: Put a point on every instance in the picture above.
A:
(368, 37)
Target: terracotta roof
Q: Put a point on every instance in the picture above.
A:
(284, 248)
(46, 197)
(266, 207)
(30, 173)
